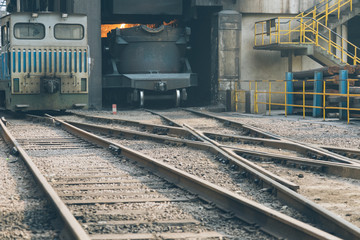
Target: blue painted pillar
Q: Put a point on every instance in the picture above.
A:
(343, 83)
(318, 99)
(289, 88)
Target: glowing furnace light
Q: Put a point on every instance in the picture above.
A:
(105, 28)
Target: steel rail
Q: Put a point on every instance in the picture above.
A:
(171, 122)
(72, 229)
(333, 168)
(250, 129)
(280, 144)
(118, 132)
(270, 221)
(168, 130)
(308, 147)
(341, 151)
(330, 221)
(343, 169)
(238, 160)
(242, 163)
(177, 131)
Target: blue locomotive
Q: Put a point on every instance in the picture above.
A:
(44, 61)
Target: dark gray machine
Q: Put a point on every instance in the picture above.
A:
(150, 62)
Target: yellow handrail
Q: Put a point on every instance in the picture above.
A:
(319, 16)
(305, 33)
(329, 9)
(275, 97)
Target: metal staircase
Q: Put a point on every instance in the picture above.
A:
(346, 11)
(311, 33)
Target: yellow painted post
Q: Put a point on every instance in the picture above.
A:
(326, 13)
(339, 7)
(314, 17)
(304, 100)
(262, 34)
(348, 102)
(342, 50)
(270, 33)
(236, 97)
(317, 34)
(278, 27)
(255, 34)
(290, 30)
(351, 5)
(301, 30)
(324, 98)
(256, 107)
(285, 99)
(269, 98)
(355, 57)
(329, 47)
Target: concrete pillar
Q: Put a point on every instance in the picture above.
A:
(343, 87)
(338, 41)
(342, 30)
(18, 5)
(92, 8)
(318, 99)
(289, 88)
(228, 52)
(344, 34)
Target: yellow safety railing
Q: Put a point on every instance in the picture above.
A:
(239, 98)
(303, 93)
(324, 8)
(305, 31)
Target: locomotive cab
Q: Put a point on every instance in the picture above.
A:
(44, 61)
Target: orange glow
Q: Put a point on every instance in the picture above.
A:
(105, 28)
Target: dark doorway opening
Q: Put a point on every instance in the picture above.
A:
(200, 20)
(202, 47)
(354, 37)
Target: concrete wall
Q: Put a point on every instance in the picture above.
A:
(273, 6)
(266, 6)
(263, 64)
(92, 8)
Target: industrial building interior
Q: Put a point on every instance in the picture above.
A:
(223, 51)
(180, 119)
(201, 17)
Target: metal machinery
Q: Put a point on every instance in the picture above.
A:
(44, 61)
(149, 62)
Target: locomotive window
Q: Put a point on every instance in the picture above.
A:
(4, 35)
(69, 31)
(29, 31)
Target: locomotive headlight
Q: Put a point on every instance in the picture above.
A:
(34, 15)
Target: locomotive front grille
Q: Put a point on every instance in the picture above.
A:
(70, 65)
(49, 60)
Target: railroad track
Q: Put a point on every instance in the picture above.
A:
(340, 169)
(25, 212)
(246, 143)
(108, 196)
